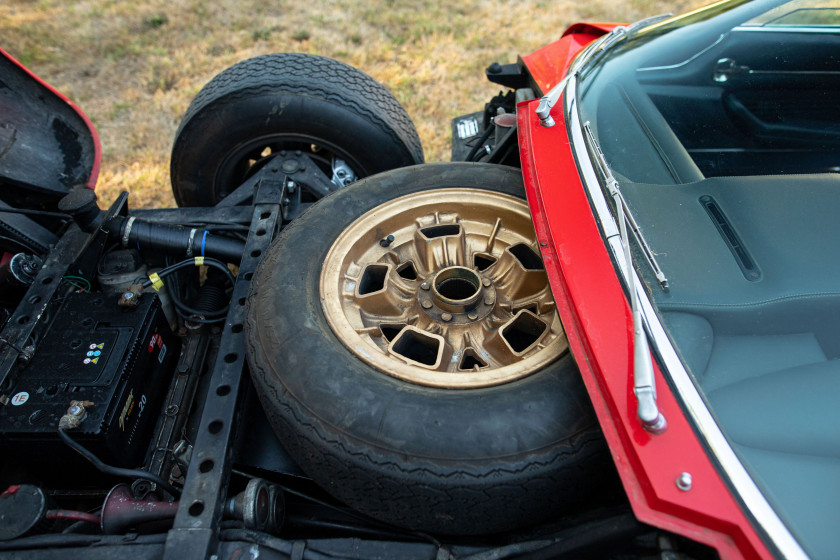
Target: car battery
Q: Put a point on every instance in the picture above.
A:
(116, 361)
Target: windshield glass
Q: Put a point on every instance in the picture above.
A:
(722, 128)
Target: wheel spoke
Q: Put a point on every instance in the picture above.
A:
(440, 245)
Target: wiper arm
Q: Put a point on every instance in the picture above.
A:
(644, 383)
(622, 209)
(591, 55)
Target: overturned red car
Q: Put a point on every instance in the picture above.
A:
(605, 329)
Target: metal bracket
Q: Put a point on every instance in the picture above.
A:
(296, 166)
(195, 531)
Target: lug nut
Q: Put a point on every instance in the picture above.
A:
(472, 316)
(424, 286)
(486, 282)
(426, 304)
(446, 317)
(488, 301)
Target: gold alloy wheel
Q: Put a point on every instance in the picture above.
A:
(443, 288)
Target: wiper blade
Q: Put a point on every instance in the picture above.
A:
(622, 209)
(644, 383)
(592, 55)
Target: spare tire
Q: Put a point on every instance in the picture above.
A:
(293, 102)
(405, 345)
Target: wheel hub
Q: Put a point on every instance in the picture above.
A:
(457, 295)
(443, 288)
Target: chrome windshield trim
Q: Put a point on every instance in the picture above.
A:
(745, 487)
(789, 28)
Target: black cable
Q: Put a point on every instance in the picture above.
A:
(13, 245)
(480, 144)
(62, 540)
(301, 522)
(35, 212)
(210, 316)
(192, 262)
(117, 471)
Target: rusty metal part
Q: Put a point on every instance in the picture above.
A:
(458, 299)
(75, 414)
(131, 297)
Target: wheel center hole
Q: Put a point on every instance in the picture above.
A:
(456, 289)
(457, 284)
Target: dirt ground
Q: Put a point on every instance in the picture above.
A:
(133, 67)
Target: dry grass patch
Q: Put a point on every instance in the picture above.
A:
(134, 67)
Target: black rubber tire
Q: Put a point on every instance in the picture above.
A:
(445, 461)
(290, 100)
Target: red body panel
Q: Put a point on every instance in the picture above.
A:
(598, 321)
(548, 65)
(97, 146)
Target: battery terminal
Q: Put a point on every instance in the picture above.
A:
(75, 414)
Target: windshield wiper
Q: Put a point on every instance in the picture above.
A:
(644, 383)
(622, 209)
(592, 55)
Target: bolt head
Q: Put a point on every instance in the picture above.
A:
(486, 282)
(424, 286)
(488, 301)
(128, 295)
(446, 317)
(684, 482)
(472, 316)
(75, 410)
(426, 304)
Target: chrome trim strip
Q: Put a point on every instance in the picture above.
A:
(789, 28)
(755, 502)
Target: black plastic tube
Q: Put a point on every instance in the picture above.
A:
(175, 240)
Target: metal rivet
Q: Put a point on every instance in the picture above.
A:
(684, 482)
(446, 316)
(488, 301)
(486, 282)
(424, 286)
(472, 316)
(426, 304)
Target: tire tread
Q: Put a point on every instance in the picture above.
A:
(312, 75)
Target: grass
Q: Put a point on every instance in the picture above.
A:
(134, 66)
